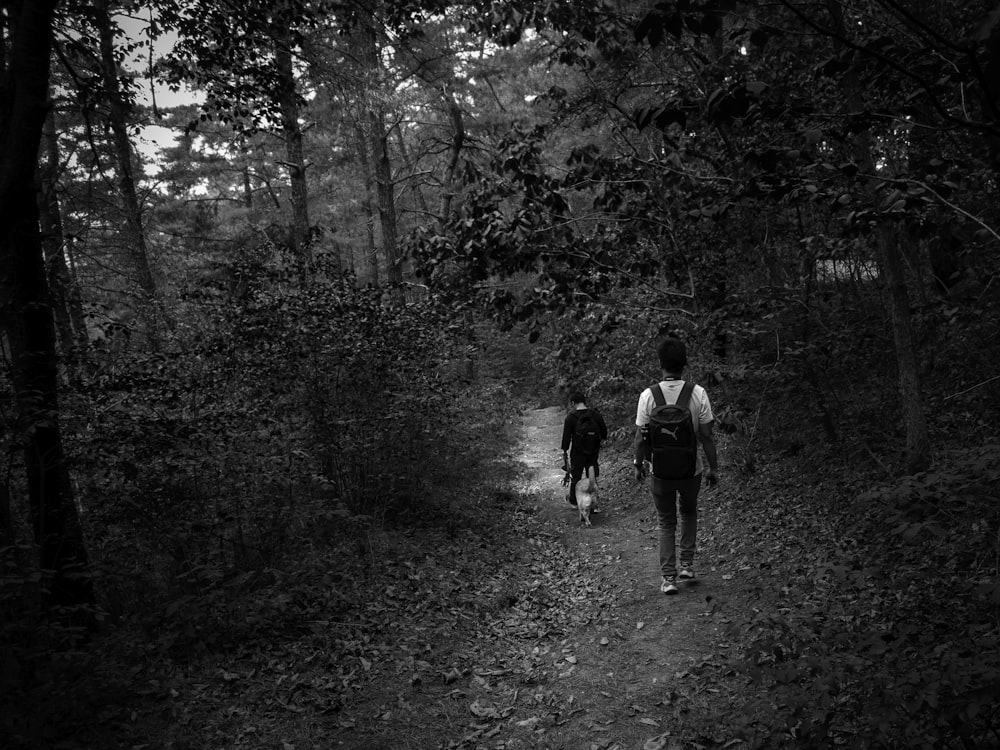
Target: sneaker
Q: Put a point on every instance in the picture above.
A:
(686, 574)
(668, 586)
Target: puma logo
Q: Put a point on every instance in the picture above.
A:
(672, 433)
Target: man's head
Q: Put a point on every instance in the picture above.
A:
(673, 356)
(576, 397)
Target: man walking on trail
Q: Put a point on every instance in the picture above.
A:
(583, 431)
(672, 419)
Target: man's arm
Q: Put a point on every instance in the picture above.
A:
(639, 451)
(706, 432)
(567, 438)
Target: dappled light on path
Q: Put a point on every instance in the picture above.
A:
(538, 449)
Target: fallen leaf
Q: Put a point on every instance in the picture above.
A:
(640, 625)
(484, 710)
(650, 722)
(656, 743)
(604, 641)
(571, 659)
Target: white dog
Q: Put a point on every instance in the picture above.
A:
(586, 495)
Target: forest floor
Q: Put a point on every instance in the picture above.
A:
(504, 624)
(513, 627)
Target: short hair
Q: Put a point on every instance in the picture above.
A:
(673, 355)
(577, 397)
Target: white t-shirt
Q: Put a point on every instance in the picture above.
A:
(701, 408)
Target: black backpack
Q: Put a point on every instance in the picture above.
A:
(673, 441)
(587, 435)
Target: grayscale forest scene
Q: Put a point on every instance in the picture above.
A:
(308, 309)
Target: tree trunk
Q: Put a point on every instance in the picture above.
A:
(382, 168)
(894, 274)
(66, 299)
(988, 34)
(455, 153)
(293, 146)
(26, 311)
(371, 249)
(6, 518)
(118, 120)
(385, 193)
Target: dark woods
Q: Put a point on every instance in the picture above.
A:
(244, 355)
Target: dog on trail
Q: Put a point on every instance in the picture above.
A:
(586, 495)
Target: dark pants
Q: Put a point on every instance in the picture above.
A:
(577, 464)
(668, 494)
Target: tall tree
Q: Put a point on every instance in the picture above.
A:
(246, 61)
(379, 132)
(119, 120)
(66, 298)
(893, 267)
(286, 93)
(26, 305)
(433, 60)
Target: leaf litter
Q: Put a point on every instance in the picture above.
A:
(505, 633)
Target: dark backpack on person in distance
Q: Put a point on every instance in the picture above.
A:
(672, 439)
(587, 434)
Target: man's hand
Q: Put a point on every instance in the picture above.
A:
(711, 477)
(640, 471)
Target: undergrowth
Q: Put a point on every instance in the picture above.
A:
(246, 487)
(304, 508)
(874, 611)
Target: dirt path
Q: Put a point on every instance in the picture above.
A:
(528, 631)
(635, 660)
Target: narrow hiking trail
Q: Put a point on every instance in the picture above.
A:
(506, 626)
(630, 660)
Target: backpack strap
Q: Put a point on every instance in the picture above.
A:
(685, 395)
(657, 392)
(682, 399)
